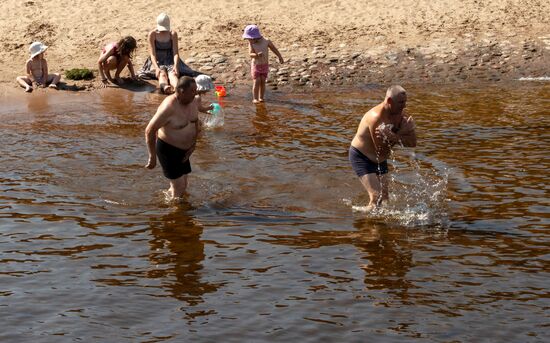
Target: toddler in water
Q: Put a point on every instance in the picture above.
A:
(37, 70)
(204, 84)
(215, 116)
(116, 56)
(259, 65)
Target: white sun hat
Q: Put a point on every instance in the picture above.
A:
(163, 22)
(37, 48)
(204, 83)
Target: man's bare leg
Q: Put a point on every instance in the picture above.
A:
(178, 187)
(377, 187)
(384, 182)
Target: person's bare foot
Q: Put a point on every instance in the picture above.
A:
(28, 89)
(166, 88)
(261, 100)
(53, 86)
(255, 101)
(370, 208)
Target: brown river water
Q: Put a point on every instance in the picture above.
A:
(272, 244)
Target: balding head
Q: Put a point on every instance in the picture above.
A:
(396, 100)
(186, 89)
(395, 91)
(185, 82)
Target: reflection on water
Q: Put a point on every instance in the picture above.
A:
(177, 253)
(38, 103)
(265, 249)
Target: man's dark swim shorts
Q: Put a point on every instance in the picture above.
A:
(170, 159)
(362, 165)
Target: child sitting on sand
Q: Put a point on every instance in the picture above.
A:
(115, 56)
(259, 65)
(37, 70)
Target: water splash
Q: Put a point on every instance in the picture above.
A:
(112, 202)
(418, 196)
(540, 78)
(215, 117)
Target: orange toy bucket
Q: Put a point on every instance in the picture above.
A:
(220, 90)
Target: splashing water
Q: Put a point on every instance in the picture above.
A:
(215, 117)
(540, 78)
(418, 196)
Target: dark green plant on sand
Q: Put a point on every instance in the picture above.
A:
(79, 74)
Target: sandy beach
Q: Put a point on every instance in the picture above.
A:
(323, 42)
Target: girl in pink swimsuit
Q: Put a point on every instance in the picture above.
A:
(259, 65)
(116, 56)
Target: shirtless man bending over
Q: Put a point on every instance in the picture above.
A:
(172, 134)
(381, 128)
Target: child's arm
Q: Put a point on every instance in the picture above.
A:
(251, 51)
(276, 52)
(29, 72)
(131, 69)
(44, 73)
(201, 107)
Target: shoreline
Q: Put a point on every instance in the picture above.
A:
(239, 93)
(327, 67)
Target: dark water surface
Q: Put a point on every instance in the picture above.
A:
(272, 244)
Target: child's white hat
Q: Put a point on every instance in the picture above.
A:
(163, 22)
(204, 83)
(37, 48)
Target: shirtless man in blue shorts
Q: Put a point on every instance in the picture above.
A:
(172, 133)
(381, 128)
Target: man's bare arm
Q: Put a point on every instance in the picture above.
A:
(407, 133)
(382, 137)
(160, 119)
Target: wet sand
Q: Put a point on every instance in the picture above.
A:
(325, 43)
